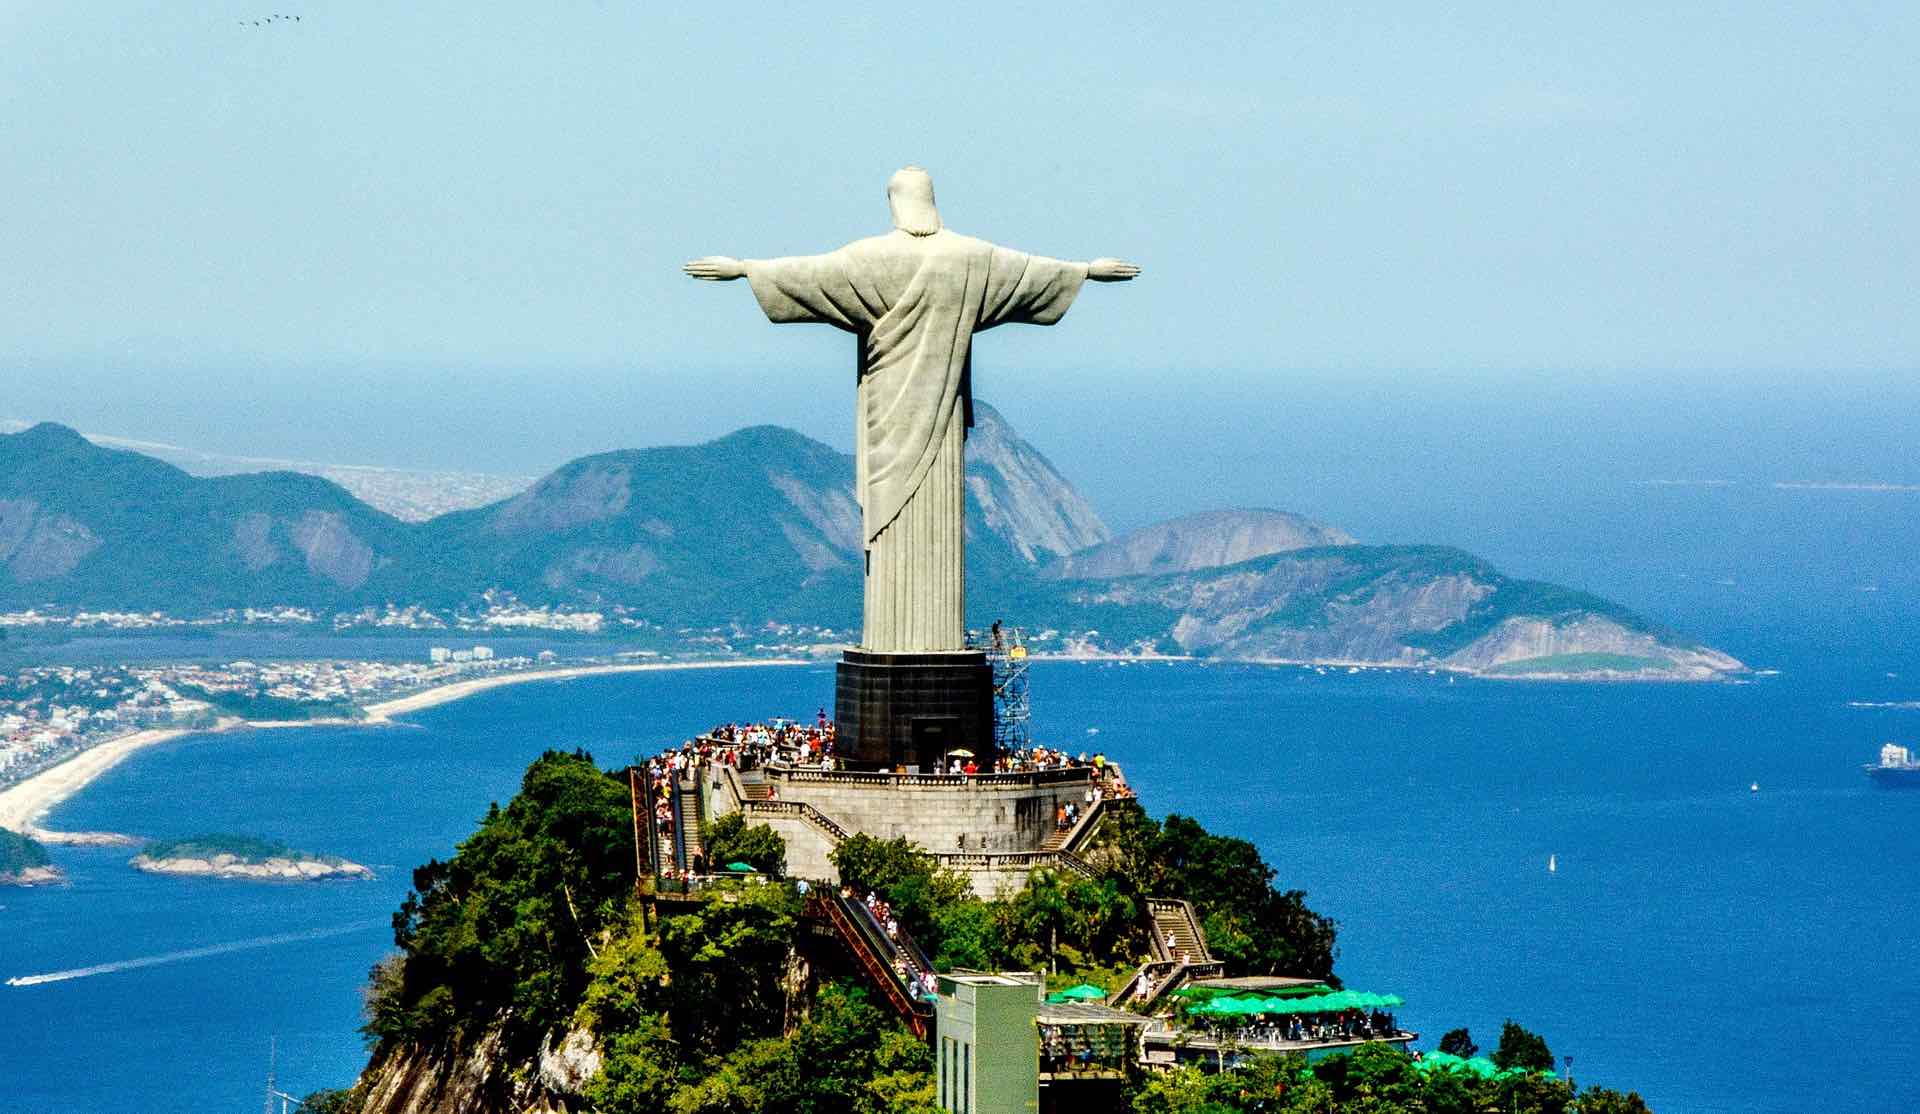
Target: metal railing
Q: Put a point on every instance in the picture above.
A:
(1027, 778)
(1156, 978)
(833, 908)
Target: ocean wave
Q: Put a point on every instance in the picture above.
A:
(1897, 705)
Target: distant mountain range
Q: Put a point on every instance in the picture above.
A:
(761, 526)
(410, 494)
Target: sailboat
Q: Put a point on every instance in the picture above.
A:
(1552, 865)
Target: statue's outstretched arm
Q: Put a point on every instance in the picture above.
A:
(1111, 270)
(715, 268)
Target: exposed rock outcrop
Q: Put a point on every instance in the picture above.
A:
(1018, 494)
(32, 876)
(1422, 606)
(275, 869)
(1206, 540)
(479, 1079)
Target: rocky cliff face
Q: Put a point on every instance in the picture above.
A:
(1206, 540)
(1588, 645)
(478, 1078)
(276, 869)
(1016, 493)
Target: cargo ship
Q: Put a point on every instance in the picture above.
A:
(1896, 768)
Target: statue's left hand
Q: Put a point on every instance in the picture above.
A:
(716, 268)
(1111, 270)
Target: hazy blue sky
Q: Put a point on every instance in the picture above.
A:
(1393, 260)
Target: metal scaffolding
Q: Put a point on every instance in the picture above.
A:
(1007, 653)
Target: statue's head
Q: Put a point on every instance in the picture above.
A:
(910, 193)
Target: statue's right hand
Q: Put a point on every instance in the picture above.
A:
(716, 268)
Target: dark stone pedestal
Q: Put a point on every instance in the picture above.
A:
(911, 709)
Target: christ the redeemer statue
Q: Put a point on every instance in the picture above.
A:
(915, 297)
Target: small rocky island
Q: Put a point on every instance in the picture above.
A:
(23, 862)
(236, 856)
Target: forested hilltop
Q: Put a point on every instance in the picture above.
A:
(528, 976)
(761, 527)
(23, 860)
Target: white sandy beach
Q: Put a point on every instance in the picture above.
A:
(386, 710)
(23, 806)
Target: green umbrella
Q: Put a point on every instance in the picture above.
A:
(741, 868)
(1392, 1001)
(1085, 992)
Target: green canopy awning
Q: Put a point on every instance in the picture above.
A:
(1229, 1007)
(1085, 992)
(1300, 991)
(1479, 1065)
(741, 868)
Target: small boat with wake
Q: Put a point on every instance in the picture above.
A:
(1896, 768)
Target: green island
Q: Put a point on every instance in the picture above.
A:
(531, 971)
(23, 860)
(228, 855)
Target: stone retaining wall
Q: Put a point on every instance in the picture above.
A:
(942, 815)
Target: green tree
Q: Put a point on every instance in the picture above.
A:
(1535, 1094)
(1458, 1042)
(911, 880)
(1183, 1090)
(1520, 1048)
(639, 1070)
(627, 984)
(331, 1102)
(731, 839)
(508, 924)
(1072, 922)
(1251, 927)
(969, 936)
(727, 957)
(1599, 1100)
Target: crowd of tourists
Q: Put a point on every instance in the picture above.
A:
(783, 741)
(1068, 1048)
(1318, 1027)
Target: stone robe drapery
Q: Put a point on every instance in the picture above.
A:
(915, 303)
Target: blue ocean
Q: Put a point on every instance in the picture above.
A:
(1715, 947)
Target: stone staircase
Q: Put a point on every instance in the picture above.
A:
(1179, 932)
(1072, 837)
(1180, 954)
